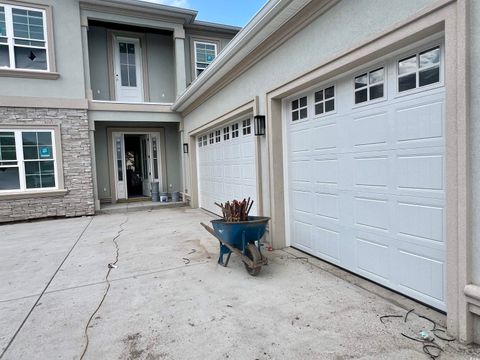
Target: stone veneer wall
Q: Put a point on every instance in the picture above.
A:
(77, 169)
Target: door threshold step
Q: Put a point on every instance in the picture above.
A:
(121, 208)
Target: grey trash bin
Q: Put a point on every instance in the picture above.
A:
(175, 196)
(155, 192)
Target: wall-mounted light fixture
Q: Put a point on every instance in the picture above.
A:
(259, 125)
(185, 148)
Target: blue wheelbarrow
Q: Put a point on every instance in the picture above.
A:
(242, 238)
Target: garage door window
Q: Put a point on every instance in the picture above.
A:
(370, 86)
(217, 136)
(247, 128)
(199, 141)
(204, 139)
(226, 133)
(325, 100)
(419, 70)
(211, 138)
(234, 131)
(299, 109)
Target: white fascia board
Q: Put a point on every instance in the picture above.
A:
(139, 5)
(269, 19)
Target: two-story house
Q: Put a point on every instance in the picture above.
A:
(85, 101)
(366, 153)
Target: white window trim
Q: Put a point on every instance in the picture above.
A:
(21, 161)
(10, 37)
(325, 113)
(416, 51)
(195, 54)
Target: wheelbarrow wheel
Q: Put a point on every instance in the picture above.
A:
(253, 254)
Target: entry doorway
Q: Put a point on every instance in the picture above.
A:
(136, 164)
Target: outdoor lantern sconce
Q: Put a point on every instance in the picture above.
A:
(185, 148)
(259, 125)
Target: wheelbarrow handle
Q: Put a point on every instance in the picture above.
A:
(210, 230)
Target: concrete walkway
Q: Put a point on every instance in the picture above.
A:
(169, 299)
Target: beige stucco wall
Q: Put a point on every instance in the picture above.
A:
(475, 148)
(68, 56)
(344, 26)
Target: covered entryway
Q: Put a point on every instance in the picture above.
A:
(137, 163)
(365, 172)
(226, 165)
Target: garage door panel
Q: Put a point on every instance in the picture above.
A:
(300, 171)
(372, 170)
(370, 131)
(421, 171)
(303, 201)
(327, 243)
(326, 137)
(303, 235)
(326, 171)
(327, 205)
(420, 123)
(373, 258)
(421, 274)
(300, 141)
(372, 213)
(420, 221)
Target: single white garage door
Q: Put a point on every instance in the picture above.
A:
(366, 173)
(226, 165)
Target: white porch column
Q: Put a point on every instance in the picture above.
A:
(180, 71)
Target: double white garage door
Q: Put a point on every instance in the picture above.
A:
(226, 165)
(366, 173)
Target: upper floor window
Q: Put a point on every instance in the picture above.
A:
(23, 38)
(370, 86)
(205, 53)
(419, 70)
(27, 160)
(325, 100)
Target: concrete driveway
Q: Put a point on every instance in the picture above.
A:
(168, 299)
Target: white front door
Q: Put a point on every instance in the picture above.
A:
(119, 166)
(128, 70)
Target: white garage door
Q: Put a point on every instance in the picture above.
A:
(226, 165)
(366, 173)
